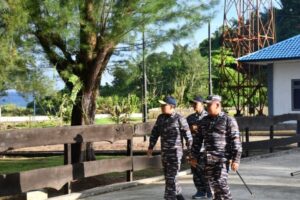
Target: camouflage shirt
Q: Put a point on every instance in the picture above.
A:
(220, 136)
(171, 129)
(195, 118)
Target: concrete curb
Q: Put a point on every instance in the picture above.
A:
(125, 185)
(270, 155)
(96, 191)
(112, 187)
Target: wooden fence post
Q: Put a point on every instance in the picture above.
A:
(271, 138)
(247, 141)
(298, 130)
(67, 160)
(130, 153)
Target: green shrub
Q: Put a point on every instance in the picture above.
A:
(13, 110)
(120, 108)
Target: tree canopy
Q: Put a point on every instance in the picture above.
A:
(18, 67)
(287, 19)
(182, 74)
(78, 37)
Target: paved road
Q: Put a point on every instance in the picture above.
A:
(269, 178)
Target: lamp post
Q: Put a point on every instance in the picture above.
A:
(209, 61)
(34, 105)
(144, 100)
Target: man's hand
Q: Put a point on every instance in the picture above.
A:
(194, 128)
(235, 166)
(192, 162)
(149, 152)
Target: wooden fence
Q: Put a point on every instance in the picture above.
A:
(57, 177)
(248, 124)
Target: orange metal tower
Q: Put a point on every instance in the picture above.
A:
(248, 26)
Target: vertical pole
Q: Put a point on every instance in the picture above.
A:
(129, 173)
(242, 136)
(298, 130)
(67, 161)
(271, 138)
(144, 99)
(34, 109)
(238, 110)
(209, 61)
(247, 141)
(259, 45)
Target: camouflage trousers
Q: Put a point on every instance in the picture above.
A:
(171, 160)
(217, 175)
(200, 181)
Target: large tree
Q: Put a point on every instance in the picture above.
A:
(9, 69)
(79, 37)
(18, 68)
(287, 19)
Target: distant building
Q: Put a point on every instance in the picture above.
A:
(283, 62)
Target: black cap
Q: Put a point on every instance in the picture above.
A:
(168, 100)
(197, 99)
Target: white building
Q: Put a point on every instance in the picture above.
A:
(283, 63)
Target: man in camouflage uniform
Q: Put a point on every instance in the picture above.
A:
(222, 146)
(172, 128)
(200, 182)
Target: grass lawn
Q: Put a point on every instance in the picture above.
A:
(11, 165)
(110, 121)
(104, 121)
(32, 124)
(55, 123)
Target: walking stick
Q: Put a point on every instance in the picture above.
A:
(244, 183)
(252, 194)
(295, 173)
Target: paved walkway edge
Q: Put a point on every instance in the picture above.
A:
(125, 185)
(269, 155)
(112, 187)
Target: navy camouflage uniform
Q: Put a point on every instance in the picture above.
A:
(220, 136)
(171, 129)
(199, 179)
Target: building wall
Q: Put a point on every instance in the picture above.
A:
(270, 90)
(283, 73)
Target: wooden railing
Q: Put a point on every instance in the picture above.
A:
(248, 124)
(57, 177)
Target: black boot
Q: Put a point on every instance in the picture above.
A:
(179, 197)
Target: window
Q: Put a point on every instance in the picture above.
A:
(296, 95)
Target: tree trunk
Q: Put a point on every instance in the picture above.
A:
(84, 110)
(83, 113)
